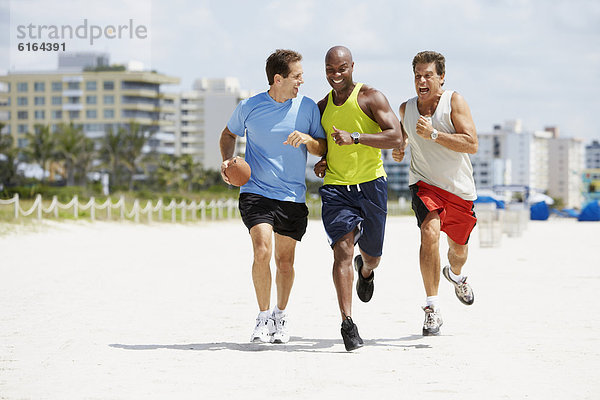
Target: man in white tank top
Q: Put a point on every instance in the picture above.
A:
(441, 134)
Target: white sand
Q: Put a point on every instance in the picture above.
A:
(165, 311)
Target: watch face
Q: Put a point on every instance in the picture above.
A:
(355, 136)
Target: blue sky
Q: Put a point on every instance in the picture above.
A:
(537, 60)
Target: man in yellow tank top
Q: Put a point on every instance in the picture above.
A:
(358, 122)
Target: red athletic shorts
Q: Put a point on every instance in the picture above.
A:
(456, 215)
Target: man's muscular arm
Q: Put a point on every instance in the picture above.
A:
(464, 140)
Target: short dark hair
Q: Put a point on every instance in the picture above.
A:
(279, 63)
(427, 57)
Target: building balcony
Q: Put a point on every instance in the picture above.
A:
(72, 93)
(141, 93)
(72, 107)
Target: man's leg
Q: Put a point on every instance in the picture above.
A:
(457, 255)
(369, 264)
(285, 248)
(429, 253)
(343, 273)
(261, 235)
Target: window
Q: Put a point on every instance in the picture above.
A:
(21, 101)
(39, 114)
(39, 86)
(91, 114)
(109, 113)
(90, 99)
(22, 87)
(90, 85)
(109, 99)
(21, 143)
(57, 114)
(39, 100)
(22, 115)
(73, 85)
(73, 114)
(109, 85)
(6, 128)
(56, 100)
(57, 86)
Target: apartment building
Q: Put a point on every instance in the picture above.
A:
(592, 155)
(201, 115)
(85, 91)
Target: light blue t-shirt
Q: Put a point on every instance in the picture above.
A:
(278, 170)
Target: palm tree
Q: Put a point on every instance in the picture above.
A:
(168, 172)
(72, 147)
(134, 139)
(8, 159)
(192, 171)
(41, 147)
(112, 153)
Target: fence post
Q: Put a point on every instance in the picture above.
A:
(55, 202)
(149, 207)
(109, 209)
(136, 210)
(75, 206)
(174, 211)
(183, 210)
(93, 208)
(159, 205)
(16, 205)
(38, 199)
(122, 200)
(194, 210)
(202, 210)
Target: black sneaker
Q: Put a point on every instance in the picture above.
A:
(364, 286)
(352, 339)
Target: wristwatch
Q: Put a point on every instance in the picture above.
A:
(355, 136)
(434, 134)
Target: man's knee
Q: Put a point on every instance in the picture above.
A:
(262, 252)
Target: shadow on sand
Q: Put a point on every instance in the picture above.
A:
(296, 344)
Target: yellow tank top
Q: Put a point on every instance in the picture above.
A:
(356, 163)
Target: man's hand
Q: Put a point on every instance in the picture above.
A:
(320, 168)
(341, 137)
(297, 138)
(398, 154)
(224, 165)
(424, 127)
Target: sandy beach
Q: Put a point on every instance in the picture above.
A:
(110, 310)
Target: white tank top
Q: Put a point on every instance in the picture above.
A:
(433, 163)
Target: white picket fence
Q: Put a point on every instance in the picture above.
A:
(218, 209)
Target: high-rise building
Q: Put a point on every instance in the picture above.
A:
(202, 113)
(87, 92)
(565, 163)
(592, 155)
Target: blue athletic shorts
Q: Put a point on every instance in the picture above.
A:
(345, 208)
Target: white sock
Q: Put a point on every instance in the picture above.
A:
(455, 278)
(432, 301)
(264, 314)
(277, 311)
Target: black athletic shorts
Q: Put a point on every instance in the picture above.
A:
(287, 218)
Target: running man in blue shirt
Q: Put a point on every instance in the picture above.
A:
(280, 127)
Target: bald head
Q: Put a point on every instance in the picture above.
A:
(338, 53)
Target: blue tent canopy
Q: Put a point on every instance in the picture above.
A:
(590, 212)
(539, 211)
(490, 199)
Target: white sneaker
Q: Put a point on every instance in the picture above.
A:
(261, 331)
(433, 321)
(280, 324)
